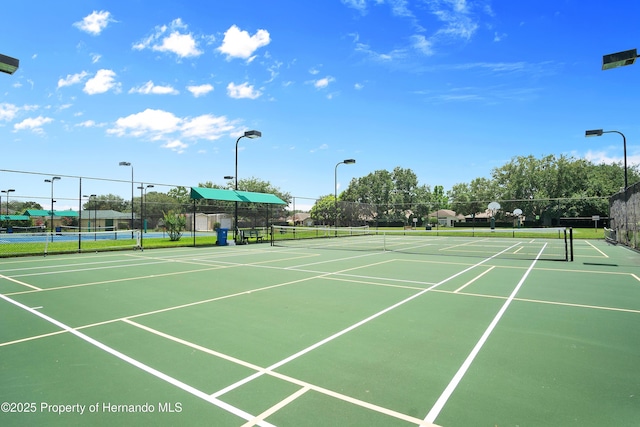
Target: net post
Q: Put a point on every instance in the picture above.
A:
(571, 241)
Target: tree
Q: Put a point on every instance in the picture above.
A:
(252, 211)
(175, 224)
(108, 202)
(323, 212)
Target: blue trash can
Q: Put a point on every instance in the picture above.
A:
(222, 236)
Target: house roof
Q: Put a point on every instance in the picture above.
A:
(443, 213)
(235, 196)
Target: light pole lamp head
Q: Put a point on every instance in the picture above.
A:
(228, 177)
(595, 132)
(252, 134)
(619, 59)
(124, 164)
(8, 64)
(349, 161)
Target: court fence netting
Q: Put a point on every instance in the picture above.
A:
(555, 244)
(624, 208)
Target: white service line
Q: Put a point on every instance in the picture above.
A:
(352, 327)
(474, 279)
(276, 407)
(602, 253)
(189, 389)
(448, 391)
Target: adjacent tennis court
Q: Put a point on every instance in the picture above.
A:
(301, 335)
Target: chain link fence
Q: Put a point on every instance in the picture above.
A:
(625, 216)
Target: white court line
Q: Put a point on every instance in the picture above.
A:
(177, 383)
(352, 327)
(448, 391)
(277, 407)
(603, 254)
(302, 384)
(474, 279)
(20, 283)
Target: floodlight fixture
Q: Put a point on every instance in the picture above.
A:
(8, 64)
(595, 132)
(335, 187)
(132, 215)
(619, 59)
(252, 134)
(600, 132)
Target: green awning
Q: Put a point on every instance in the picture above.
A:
(43, 212)
(14, 218)
(235, 196)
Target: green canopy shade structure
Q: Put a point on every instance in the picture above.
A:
(235, 196)
(14, 217)
(43, 212)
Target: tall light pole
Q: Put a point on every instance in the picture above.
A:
(7, 192)
(52, 180)
(129, 164)
(143, 201)
(251, 134)
(95, 215)
(335, 186)
(599, 132)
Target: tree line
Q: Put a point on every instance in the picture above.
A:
(542, 188)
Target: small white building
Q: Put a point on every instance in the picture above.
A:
(206, 222)
(446, 217)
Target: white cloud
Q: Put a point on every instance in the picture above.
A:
(95, 22)
(239, 44)
(89, 124)
(421, 44)
(200, 90)
(150, 89)
(159, 125)
(149, 123)
(358, 86)
(176, 145)
(323, 83)
(322, 147)
(243, 90)
(360, 5)
(95, 58)
(103, 81)
(33, 124)
(206, 127)
(171, 38)
(72, 79)
(8, 111)
(456, 16)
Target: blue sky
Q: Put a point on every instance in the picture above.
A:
(447, 88)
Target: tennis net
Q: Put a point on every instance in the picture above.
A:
(522, 243)
(12, 244)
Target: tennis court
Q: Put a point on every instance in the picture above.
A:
(292, 336)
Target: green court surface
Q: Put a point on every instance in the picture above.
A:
(276, 336)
